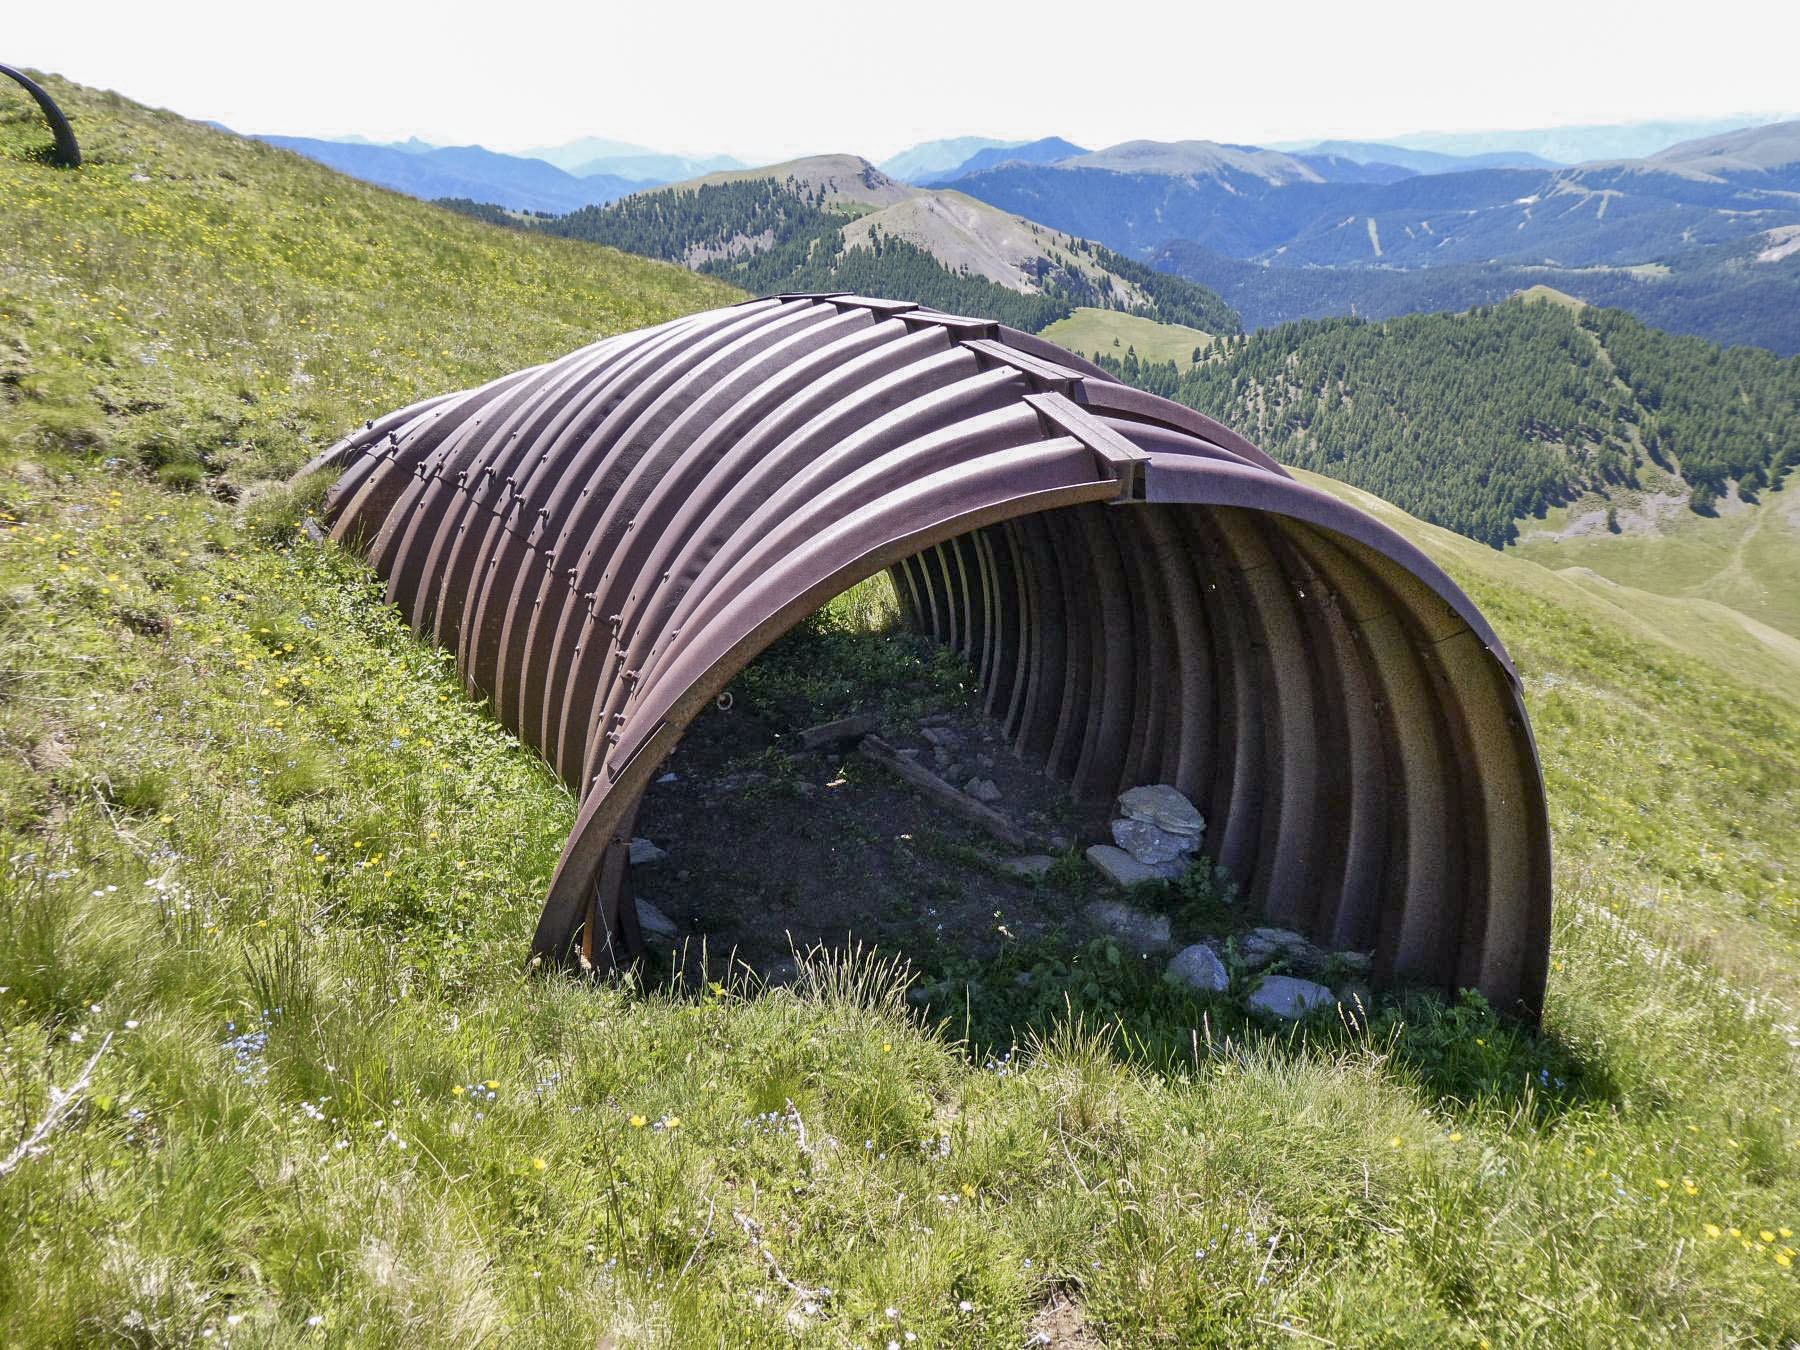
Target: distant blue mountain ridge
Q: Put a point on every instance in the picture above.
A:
(1046, 151)
(513, 181)
(932, 159)
(1424, 161)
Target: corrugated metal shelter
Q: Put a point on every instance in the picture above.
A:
(606, 540)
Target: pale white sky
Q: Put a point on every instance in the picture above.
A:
(775, 80)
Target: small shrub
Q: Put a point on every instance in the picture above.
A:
(274, 512)
(182, 476)
(138, 793)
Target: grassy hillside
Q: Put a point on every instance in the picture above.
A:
(205, 304)
(1746, 556)
(271, 875)
(1106, 332)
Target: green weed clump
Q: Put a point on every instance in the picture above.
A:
(268, 870)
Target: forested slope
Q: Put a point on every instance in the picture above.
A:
(768, 235)
(1474, 420)
(1746, 292)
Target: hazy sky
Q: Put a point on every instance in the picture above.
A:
(775, 80)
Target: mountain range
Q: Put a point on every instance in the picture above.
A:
(1424, 161)
(1691, 237)
(1048, 150)
(592, 155)
(934, 159)
(1312, 210)
(1581, 144)
(836, 222)
(1697, 237)
(512, 181)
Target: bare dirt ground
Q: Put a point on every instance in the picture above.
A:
(773, 847)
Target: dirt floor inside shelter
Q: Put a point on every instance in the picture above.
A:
(773, 848)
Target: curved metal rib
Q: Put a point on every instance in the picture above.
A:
(67, 152)
(606, 540)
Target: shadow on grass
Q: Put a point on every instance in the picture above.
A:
(1460, 1050)
(1448, 1051)
(989, 1002)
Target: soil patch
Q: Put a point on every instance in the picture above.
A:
(773, 848)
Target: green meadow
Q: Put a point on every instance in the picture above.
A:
(1112, 332)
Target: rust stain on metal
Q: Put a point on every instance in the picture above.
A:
(606, 540)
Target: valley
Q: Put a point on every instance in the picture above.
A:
(1746, 556)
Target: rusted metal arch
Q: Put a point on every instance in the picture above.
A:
(67, 151)
(606, 540)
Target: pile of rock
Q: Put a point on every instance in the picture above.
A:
(1155, 836)
(657, 925)
(1200, 967)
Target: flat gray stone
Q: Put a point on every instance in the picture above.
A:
(1133, 927)
(1261, 946)
(644, 853)
(942, 737)
(1198, 967)
(1151, 844)
(654, 922)
(1162, 806)
(1028, 865)
(1285, 996)
(1124, 870)
(982, 789)
(844, 729)
(1354, 963)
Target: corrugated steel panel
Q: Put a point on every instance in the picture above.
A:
(606, 540)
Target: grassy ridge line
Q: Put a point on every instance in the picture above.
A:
(234, 785)
(206, 303)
